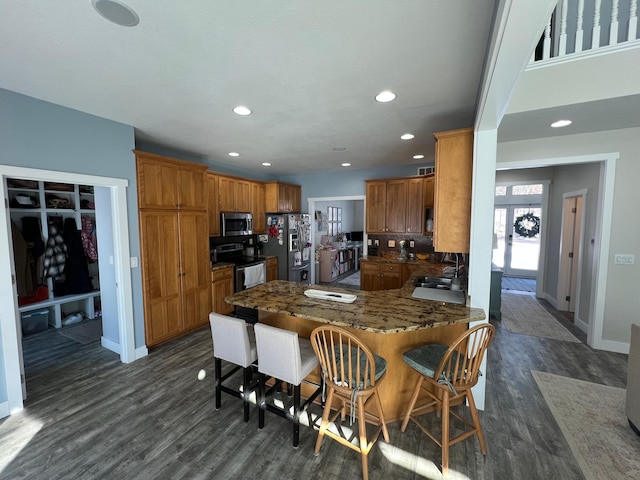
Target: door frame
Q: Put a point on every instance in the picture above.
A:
(563, 272)
(602, 236)
(311, 205)
(10, 317)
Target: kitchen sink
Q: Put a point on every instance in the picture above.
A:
(443, 283)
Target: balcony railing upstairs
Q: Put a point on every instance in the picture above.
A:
(585, 27)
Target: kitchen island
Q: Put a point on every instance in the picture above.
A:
(389, 322)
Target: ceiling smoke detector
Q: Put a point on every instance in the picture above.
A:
(116, 12)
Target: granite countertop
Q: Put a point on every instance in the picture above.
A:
(383, 311)
(221, 265)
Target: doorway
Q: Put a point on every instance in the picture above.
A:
(572, 236)
(517, 248)
(10, 318)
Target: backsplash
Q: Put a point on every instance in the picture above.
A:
(422, 243)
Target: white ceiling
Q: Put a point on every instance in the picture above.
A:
(308, 70)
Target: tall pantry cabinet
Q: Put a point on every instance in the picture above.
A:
(174, 234)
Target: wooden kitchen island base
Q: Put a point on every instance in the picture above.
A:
(399, 380)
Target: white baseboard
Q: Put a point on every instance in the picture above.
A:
(110, 345)
(550, 299)
(581, 325)
(4, 409)
(140, 352)
(613, 346)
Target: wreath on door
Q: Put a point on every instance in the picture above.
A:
(527, 225)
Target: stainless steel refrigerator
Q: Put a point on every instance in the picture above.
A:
(288, 237)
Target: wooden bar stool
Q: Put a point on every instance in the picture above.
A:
(234, 342)
(450, 372)
(352, 375)
(285, 357)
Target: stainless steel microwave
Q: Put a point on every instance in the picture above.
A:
(233, 224)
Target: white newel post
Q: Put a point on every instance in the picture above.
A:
(579, 27)
(613, 31)
(633, 20)
(595, 34)
(562, 48)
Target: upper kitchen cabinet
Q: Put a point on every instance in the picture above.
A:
(415, 198)
(454, 167)
(167, 183)
(395, 205)
(429, 189)
(214, 204)
(257, 207)
(283, 197)
(235, 194)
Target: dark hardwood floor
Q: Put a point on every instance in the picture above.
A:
(88, 416)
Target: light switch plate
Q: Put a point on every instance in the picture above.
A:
(412, 244)
(369, 241)
(624, 259)
(134, 262)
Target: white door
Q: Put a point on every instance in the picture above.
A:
(517, 234)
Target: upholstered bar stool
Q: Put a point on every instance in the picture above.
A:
(286, 358)
(234, 342)
(447, 374)
(352, 375)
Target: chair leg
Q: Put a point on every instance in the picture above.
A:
(364, 444)
(325, 420)
(218, 382)
(262, 401)
(412, 403)
(476, 422)
(246, 394)
(383, 422)
(296, 415)
(445, 433)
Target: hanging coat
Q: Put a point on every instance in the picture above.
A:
(76, 267)
(55, 255)
(89, 242)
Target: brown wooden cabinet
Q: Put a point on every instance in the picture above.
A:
(213, 205)
(380, 276)
(272, 268)
(415, 209)
(395, 205)
(282, 197)
(234, 194)
(174, 235)
(169, 183)
(221, 287)
(257, 207)
(386, 206)
(453, 180)
(429, 189)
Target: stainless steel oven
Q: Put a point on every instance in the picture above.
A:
(234, 224)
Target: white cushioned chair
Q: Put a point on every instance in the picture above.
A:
(286, 358)
(234, 342)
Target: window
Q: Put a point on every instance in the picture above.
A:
(501, 190)
(535, 189)
(334, 221)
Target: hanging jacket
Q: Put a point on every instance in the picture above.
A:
(88, 236)
(55, 255)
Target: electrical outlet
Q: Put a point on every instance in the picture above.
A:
(369, 241)
(412, 244)
(391, 243)
(624, 259)
(377, 243)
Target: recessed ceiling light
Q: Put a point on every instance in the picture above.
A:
(418, 157)
(242, 110)
(385, 96)
(266, 164)
(561, 123)
(234, 154)
(346, 164)
(116, 12)
(407, 136)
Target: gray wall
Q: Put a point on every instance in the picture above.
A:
(38, 134)
(350, 211)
